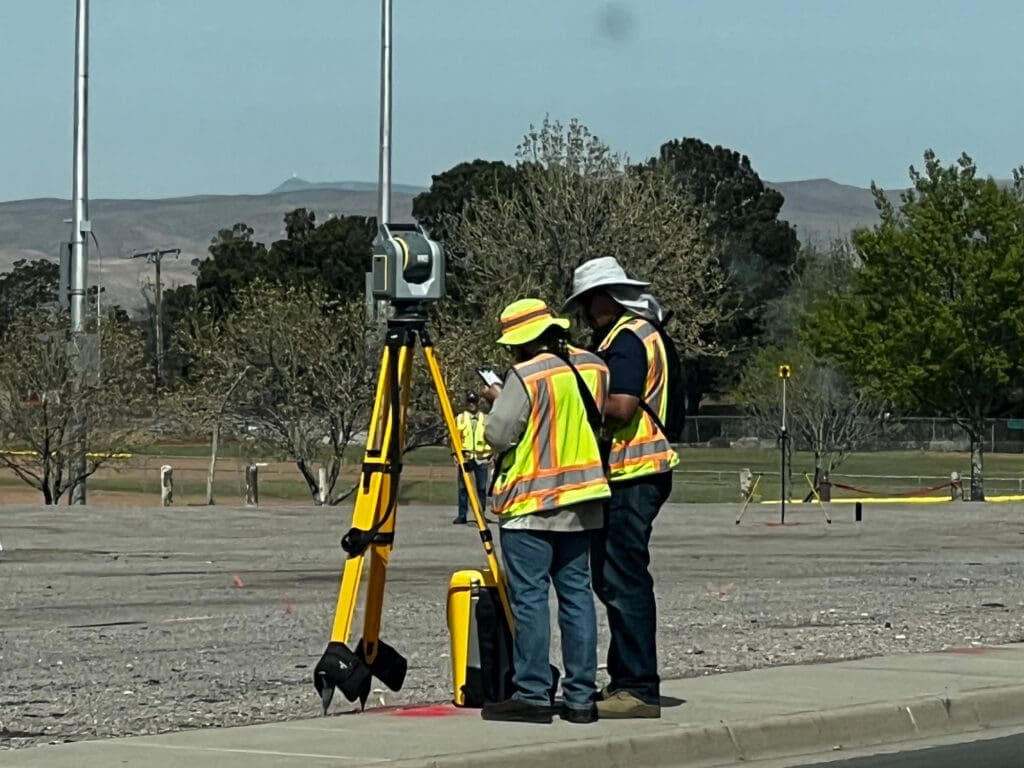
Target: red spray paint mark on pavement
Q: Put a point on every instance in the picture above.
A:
(238, 581)
(431, 710)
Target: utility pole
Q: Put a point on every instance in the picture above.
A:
(154, 257)
(80, 227)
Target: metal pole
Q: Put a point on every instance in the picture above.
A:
(384, 208)
(782, 446)
(80, 227)
(158, 334)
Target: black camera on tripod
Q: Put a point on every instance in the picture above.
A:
(408, 267)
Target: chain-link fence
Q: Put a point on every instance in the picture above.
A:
(926, 434)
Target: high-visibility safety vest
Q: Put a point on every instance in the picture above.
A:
(639, 448)
(471, 430)
(556, 462)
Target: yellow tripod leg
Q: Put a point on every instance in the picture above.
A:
(340, 667)
(746, 501)
(817, 498)
(385, 662)
(474, 500)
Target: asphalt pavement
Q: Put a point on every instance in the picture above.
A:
(146, 621)
(1005, 752)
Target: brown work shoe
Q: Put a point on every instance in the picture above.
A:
(623, 704)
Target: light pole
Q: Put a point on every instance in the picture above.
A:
(384, 207)
(80, 227)
(784, 373)
(154, 257)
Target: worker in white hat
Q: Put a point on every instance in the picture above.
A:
(622, 314)
(548, 492)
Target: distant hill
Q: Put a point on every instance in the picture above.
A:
(819, 209)
(33, 229)
(822, 210)
(295, 184)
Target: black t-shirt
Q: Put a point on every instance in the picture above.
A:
(627, 365)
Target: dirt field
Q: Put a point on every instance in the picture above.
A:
(130, 620)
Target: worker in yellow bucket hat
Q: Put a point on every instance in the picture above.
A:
(548, 491)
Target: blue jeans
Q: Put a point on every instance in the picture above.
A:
(620, 559)
(479, 474)
(533, 561)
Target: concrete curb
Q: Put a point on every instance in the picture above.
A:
(857, 727)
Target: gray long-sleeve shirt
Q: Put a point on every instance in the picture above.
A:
(506, 424)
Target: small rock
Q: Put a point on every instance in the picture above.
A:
(888, 625)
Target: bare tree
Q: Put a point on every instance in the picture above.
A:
(825, 413)
(215, 373)
(312, 365)
(41, 389)
(576, 199)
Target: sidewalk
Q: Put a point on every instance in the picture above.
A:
(775, 712)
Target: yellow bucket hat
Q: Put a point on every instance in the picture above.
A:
(524, 320)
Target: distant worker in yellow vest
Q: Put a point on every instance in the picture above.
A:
(621, 313)
(472, 423)
(548, 493)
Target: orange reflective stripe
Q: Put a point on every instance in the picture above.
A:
(563, 479)
(518, 321)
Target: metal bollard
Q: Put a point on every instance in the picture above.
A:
(825, 489)
(858, 510)
(252, 490)
(321, 492)
(166, 485)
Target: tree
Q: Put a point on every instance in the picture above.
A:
(213, 374)
(576, 199)
(41, 391)
(235, 261)
(933, 318)
(759, 254)
(311, 373)
(335, 255)
(825, 413)
(29, 284)
(440, 208)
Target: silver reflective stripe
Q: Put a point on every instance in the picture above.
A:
(548, 484)
(544, 407)
(634, 451)
(545, 363)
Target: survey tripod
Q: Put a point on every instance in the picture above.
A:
(372, 535)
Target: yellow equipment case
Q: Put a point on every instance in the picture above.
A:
(481, 641)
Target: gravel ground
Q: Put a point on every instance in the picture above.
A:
(122, 621)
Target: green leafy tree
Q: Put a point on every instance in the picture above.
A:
(759, 253)
(29, 284)
(335, 254)
(933, 319)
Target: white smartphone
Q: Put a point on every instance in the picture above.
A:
(490, 377)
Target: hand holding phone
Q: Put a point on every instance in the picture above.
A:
(490, 378)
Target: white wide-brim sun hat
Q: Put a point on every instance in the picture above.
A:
(601, 272)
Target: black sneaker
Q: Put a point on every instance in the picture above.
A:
(459, 521)
(580, 716)
(516, 711)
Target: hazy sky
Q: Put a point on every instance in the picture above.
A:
(234, 96)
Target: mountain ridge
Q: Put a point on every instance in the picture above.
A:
(820, 209)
